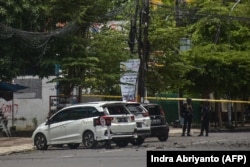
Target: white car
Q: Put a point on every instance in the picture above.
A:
(143, 121)
(87, 123)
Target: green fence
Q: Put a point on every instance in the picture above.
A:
(170, 108)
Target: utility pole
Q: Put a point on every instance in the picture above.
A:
(143, 49)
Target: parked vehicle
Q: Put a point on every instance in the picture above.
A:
(87, 123)
(159, 125)
(142, 120)
(121, 124)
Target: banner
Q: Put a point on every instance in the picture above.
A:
(129, 79)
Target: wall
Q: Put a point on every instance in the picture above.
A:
(29, 104)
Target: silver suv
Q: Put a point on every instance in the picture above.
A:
(87, 123)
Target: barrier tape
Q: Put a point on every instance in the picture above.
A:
(177, 99)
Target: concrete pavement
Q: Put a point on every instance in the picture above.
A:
(9, 145)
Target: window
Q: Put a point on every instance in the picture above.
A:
(135, 108)
(153, 110)
(76, 113)
(117, 110)
(60, 116)
(93, 112)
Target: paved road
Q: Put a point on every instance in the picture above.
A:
(20, 144)
(17, 144)
(129, 156)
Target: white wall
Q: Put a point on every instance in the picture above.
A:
(28, 107)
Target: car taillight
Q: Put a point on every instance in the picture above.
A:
(103, 120)
(132, 118)
(108, 120)
(146, 114)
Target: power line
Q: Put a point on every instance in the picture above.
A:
(185, 13)
(35, 40)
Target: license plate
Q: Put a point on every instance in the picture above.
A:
(122, 120)
(155, 121)
(139, 124)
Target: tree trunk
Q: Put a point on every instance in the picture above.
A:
(79, 94)
(235, 116)
(242, 108)
(218, 111)
(180, 102)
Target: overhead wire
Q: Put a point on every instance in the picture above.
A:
(38, 40)
(35, 40)
(186, 11)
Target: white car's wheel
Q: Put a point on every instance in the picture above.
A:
(137, 142)
(88, 139)
(163, 138)
(40, 142)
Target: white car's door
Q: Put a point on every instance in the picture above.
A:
(56, 133)
(81, 119)
(57, 127)
(74, 130)
(76, 127)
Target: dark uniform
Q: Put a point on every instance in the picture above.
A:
(187, 114)
(205, 118)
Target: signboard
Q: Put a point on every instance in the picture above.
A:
(129, 79)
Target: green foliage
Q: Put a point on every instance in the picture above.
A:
(110, 47)
(165, 67)
(218, 60)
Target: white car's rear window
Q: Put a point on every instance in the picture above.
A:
(117, 110)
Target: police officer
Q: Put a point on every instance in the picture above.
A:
(187, 113)
(205, 117)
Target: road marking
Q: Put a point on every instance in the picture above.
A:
(110, 151)
(202, 142)
(151, 148)
(221, 140)
(67, 156)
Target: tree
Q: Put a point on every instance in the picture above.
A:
(68, 50)
(110, 47)
(220, 53)
(82, 62)
(165, 66)
(16, 56)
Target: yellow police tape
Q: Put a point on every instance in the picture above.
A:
(176, 99)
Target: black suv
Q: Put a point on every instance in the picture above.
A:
(159, 125)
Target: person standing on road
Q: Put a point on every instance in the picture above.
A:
(187, 114)
(205, 118)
